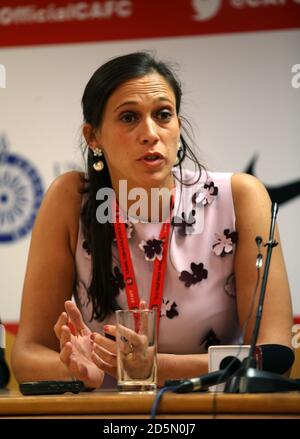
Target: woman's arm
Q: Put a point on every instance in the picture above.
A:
(175, 367)
(253, 216)
(49, 282)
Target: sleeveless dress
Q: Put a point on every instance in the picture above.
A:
(199, 299)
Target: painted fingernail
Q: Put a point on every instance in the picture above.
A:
(106, 328)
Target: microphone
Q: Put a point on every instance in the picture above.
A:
(276, 358)
(228, 366)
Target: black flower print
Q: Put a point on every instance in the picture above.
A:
(184, 226)
(117, 281)
(224, 242)
(168, 309)
(153, 248)
(198, 273)
(206, 194)
(210, 339)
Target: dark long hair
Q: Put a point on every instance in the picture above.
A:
(98, 236)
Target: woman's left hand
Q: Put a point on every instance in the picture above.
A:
(104, 349)
(136, 355)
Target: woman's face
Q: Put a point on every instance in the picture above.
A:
(140, 132)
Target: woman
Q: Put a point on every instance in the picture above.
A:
(135, 135)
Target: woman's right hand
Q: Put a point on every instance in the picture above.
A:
(76, 348)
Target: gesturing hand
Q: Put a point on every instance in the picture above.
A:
(76, 348)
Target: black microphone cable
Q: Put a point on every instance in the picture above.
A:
(158, 398)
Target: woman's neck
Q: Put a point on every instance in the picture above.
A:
(144, 204)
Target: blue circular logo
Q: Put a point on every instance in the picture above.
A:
(21, 192)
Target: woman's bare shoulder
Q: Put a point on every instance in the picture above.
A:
(252, 205)
(249, 191)
(68, 185)
(61, 205)
(65, 192)
(245, 184)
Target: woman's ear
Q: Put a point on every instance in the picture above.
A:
(179, 121)
(90, 136)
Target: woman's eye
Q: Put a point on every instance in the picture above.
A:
(164, 115)
(128, 117)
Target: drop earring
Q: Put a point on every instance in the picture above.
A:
(98, 165)
(178, 158)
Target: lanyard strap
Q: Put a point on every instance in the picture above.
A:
(158, 275)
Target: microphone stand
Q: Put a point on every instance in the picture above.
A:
(248, 379)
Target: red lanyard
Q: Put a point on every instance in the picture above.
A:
(159, 268)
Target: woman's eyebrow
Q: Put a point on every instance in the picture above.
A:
(131, 102)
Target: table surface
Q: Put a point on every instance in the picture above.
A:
(111, 404)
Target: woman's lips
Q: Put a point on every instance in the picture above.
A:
(152, 159)
(156, 161)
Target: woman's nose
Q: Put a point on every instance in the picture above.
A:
(148, 133)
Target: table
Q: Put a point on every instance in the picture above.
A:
(111, 404)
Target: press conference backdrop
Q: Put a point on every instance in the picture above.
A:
(239, 62)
